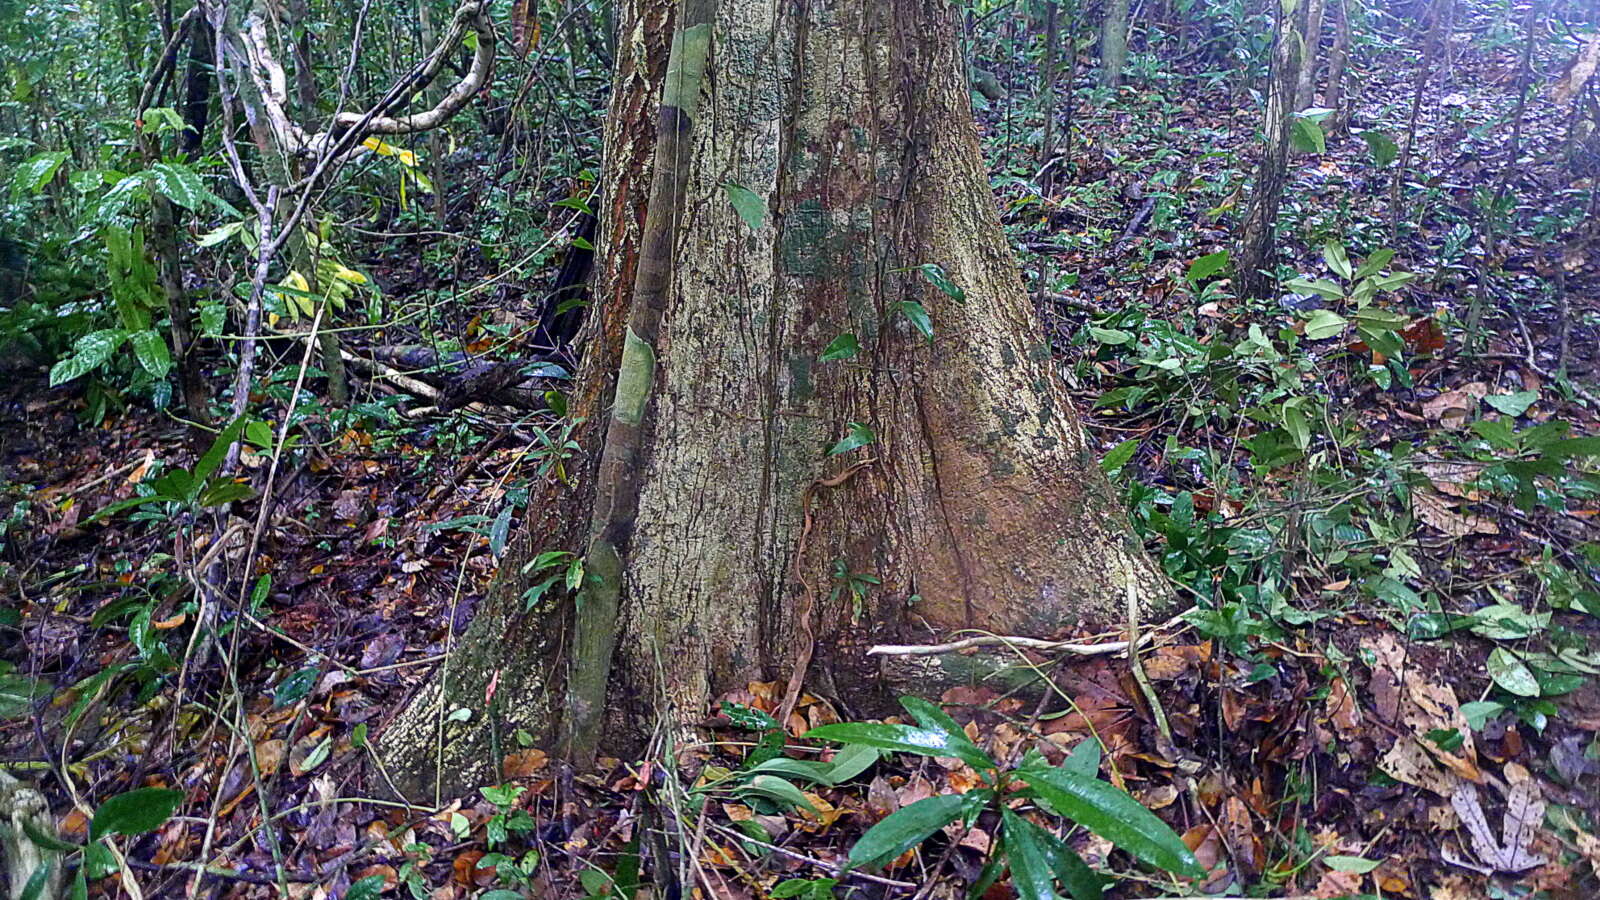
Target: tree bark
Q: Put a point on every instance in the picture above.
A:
(1256, 233)
(747, 550)
(1114, 42)
(1306, 80)
(1338, 60)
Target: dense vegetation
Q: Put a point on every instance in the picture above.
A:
(310, 315)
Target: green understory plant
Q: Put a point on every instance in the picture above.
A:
(1037, 858)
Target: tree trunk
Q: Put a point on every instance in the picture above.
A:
(1114, 42)
(1338, 59)
(1256, 234)
(744, 549)
(1306, 81)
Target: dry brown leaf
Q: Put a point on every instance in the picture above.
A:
(1453, 478)
(1435, 511)
(1524, 812)
(270, 756)
(524, 763)
(1336, 884)
(1452, 408)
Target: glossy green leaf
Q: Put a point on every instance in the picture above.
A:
(856, 436)
(1307, 137)
(1118, 456)
(777, 789)
(1113, 815)
(930, 716)
(936, 276)
(1374, 263)
(1513, 404)
(1382, 147)
(1206, 266)
(1512, 674)
(1031, 875)
(910, 826)
(917, 315)
(1354, 864)
(1325, 323)
(1333, 253)
(36, 172)
(750, 206)
(150, 348)
(884, 736)
(179, 184)
(134, 812)
(1061, 860)
(842, 347)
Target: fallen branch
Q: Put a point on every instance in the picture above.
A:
(998, 640)
(1068, 648)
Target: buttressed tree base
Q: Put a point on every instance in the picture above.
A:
(848, 429)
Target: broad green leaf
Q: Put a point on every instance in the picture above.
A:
(929, 715)
(179, 184)
(856, 436)
(1394, 281)
(1513, 404)
(36, 172)
(113, 201)
(17, 694)
(1569, 447)
(1206, 266)
(45, 839)
(852, 760)
(368, 888)
(215, 454)
(88, 353)
(1031, 875)
(1111, 336)
(750, 206)
(1322, 287)
(899, 738)
(1307, 136)
(910, 826)
(1324, 324)
(778, 789)
(295, 687)
(34, 888)
(1068, 867)
(1383, 148)
(1374, 263)
(1479, 712)
(1333, 253)
(842, 347)
(917, 315)
(135, 812)
(1113, 815)
(1512, 674)
(1084, 759)
(938, 278)
(151, 350)
(1118, 456)
(804, 769)
(1353, 864)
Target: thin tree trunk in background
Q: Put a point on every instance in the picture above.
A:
(1530, 27)
(198, 80)
(1338, 59)
(748, 551)
(1424, 69)
(1306, 82)
(1048, 90)
(1256, 237)
(435, 141)
(1114, 42)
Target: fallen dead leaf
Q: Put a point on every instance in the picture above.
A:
(1435, 511)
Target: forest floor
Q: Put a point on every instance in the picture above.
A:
(1388, 685)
